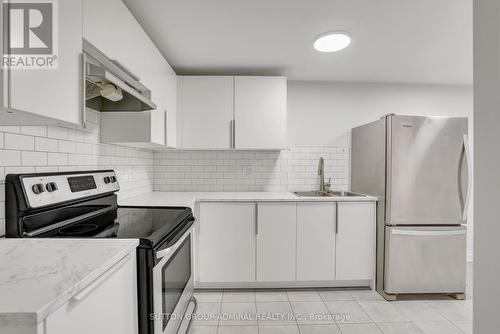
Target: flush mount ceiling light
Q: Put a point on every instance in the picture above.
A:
(332, 41)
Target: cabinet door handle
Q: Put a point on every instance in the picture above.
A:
(95, 283)
(231, 134)
(4, 49)
(336, 217)
(234, 133)
(256, 218)
(84, 90)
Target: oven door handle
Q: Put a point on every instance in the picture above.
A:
(170, 250)
(165, 252)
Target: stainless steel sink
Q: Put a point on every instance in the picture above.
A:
(344, 193)
(312, 194)
(326, 194)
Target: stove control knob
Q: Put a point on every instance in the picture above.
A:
(113, 179)
(52, 186)
(38, 188)
(107, 179)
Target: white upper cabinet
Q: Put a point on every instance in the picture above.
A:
(260, 112)
(123, 40)
(316, 241)
(112, 29)
(355, 241)
(225, 112)
(207, 111)
(171, 118)
(49, 96)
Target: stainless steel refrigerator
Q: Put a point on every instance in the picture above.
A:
(418, 167)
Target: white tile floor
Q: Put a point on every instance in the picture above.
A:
(318, 311)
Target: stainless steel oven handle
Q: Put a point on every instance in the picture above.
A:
(165, 252)
(170, 250)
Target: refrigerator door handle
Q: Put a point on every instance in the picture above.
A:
(469, 177)
(426, 233)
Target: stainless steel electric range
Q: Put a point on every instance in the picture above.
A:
(84, 205)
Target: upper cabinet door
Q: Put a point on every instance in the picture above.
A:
(260, 112)
(123, 40)
(207, 111)
(112, 29)
(45, 96)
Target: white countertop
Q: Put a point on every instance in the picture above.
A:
(190, 198)
(37, 276)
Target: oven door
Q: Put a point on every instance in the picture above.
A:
(173, 284)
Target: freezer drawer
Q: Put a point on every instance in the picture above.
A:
(425, 259)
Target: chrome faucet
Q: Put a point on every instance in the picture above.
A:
(321, 172)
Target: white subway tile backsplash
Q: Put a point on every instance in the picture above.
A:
(84, 148)
(45, 144)
(10, 129)
(10, 158)
(67, 146)
(30, 149)
(289, 170)
(57, 159)
(34, 158)
(14, 141)
(39, 131)
(18, 170)
(57, 132)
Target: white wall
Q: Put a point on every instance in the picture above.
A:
(322, 113)
(487, 163)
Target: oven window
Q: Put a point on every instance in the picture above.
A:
(175, 276)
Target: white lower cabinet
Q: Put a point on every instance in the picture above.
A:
(316, 241)
(226, 235)
(107, 305)
(292, 244)
(355, 241)
(276, 241)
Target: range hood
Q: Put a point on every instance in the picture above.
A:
(110, 87)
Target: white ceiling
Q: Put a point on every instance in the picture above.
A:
(407, 41)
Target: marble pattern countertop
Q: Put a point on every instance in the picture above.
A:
(37, 276)
(190, 198)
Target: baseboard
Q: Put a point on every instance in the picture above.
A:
(284, 284)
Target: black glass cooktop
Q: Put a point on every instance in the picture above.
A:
(149, 224)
